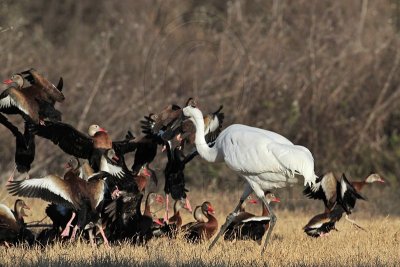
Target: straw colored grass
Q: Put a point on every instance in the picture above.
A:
(379, 246)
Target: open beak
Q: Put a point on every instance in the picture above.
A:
(8, 81)
(115, 158)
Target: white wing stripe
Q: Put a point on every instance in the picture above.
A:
(45, 183)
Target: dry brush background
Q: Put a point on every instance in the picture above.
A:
(323, 73)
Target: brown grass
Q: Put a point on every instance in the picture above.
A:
(379, 246)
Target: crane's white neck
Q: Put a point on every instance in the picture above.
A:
(207, 153)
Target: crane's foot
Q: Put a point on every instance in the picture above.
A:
(229, 220)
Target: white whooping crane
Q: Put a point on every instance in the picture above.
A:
(265, 159)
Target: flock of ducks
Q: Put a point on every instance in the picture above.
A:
(99, 195)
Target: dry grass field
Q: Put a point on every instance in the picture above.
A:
(379, 246)
(325, 74)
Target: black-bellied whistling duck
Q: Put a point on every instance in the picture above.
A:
(60, 216)
(12, 225)
(174, 175)
(249, 226)
(333, 191)
(203, 230)
(126, 219)
(175, 222)
(321, 224)
(198, 216)
(162, 120)
(372, 178)
(143, 176)
(77, 144)
(34, 103)
(71, 192)
(24, 146)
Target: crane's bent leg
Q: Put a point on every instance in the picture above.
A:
(271, 224)
(229, 219)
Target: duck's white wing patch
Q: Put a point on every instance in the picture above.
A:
(49, 188)
(258, 219)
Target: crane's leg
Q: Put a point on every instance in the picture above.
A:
(271, 224)
(229, 219)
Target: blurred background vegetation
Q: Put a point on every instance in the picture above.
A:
(325, 74)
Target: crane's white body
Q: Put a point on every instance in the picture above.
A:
(265, 159)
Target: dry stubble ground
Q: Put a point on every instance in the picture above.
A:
(379, 246)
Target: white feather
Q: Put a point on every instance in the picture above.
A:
(114, 170)
(46, 183)
(257, 219)
(343, 187)
(255, 152)
(7, 211)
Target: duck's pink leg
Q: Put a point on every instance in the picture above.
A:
(103, 235)
(324, 234)
(91, 238)
(11, 178)
(187, 205)
(66, 230)
(76, 227)
(166, 208)
(115, 194)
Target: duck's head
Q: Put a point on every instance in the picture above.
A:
(15, 78)
(20, 207)
(374, 177)
(93, 129)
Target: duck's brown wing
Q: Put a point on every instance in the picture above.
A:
(70, 140)
(13, 100)
(324, 189)
(96, 188)
(50, 89)
(7, 219)
(49, 188)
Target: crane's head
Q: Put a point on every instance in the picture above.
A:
(193, 113)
